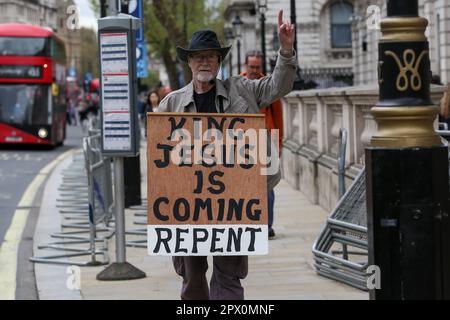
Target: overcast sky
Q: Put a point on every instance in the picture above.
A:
(87, 17)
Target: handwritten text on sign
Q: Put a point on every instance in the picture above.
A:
(207, 184)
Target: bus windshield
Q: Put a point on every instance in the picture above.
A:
(18, 46)
(24, 104)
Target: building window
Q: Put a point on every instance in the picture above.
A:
(341, 32)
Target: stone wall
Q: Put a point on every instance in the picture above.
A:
(37, 12)
(312, 122)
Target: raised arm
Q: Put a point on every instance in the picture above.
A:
(280, 82)
(286, 35)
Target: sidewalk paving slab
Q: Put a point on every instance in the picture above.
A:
(286, 273)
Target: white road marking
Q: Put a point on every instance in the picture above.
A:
(19, 157)
(10, 246)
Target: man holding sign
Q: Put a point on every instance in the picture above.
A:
(236, 95)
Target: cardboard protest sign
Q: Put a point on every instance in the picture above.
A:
(207, 191)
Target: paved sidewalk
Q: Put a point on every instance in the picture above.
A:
(286, 273)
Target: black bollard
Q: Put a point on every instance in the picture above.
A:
(407, 168)
(403, 8)
(132, 179)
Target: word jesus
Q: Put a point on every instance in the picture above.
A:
(225, 146)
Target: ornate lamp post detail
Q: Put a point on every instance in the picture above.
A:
(404, 79)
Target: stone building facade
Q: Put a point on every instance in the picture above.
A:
(365, 39)
(323, 36)
(68, 29)
(337, 39)
(38, 12)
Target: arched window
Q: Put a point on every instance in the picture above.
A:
(341, 32)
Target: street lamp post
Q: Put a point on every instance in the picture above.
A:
(124, 6)
(112, 7)
(262, 6)
(407, 181)
(102, 8)
(298, 82)
(239, 55)
(237, 28)
(229, 37)
(294, 22)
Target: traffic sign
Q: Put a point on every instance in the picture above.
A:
(141, 58)
(72, 72)
(135, 9)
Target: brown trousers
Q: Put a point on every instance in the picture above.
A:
(225, 282)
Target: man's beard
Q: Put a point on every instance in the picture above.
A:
(205, 76)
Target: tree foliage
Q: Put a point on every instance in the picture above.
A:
(170, 23)
(89, 52)
(95, 6)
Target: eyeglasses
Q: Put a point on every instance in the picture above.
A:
(200, 57)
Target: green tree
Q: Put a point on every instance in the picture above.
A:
(95, 6)
(89, 52)
(152, 81)
(170, 23)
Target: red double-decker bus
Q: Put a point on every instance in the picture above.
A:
(32, 86)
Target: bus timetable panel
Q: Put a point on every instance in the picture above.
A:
(118, 85)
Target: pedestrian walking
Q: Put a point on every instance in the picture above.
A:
(72, 113)
(207, 94)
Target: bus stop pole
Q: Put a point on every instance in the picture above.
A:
(114, 27)
(119, 210)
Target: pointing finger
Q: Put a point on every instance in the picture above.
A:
(280, 18)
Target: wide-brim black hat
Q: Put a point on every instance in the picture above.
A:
(202, 40)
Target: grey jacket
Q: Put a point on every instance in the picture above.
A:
(241, 95)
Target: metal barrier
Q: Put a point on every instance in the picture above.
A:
(341, 161)
(347, 226)
(85, 197)
(444, 134)
(140, 232)
(100, 182)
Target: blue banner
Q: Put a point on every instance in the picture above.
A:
(135, 9)
(141, 58)
(72, 72)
